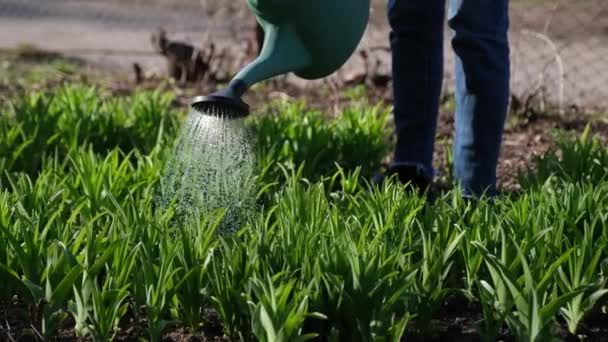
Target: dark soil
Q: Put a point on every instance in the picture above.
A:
(457, 321)
(15, 325)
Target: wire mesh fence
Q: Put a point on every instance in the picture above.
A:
(559, 47)
(560, 51)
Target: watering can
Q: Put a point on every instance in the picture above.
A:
(311, 38)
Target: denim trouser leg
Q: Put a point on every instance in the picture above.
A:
(417, 31)
(482, 90)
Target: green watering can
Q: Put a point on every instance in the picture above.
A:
(311, 38)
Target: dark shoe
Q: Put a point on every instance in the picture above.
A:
(406, 174)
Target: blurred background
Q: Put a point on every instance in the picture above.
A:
(559, 47)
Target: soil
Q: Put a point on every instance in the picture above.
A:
(457, 321)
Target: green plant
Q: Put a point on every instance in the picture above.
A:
(587, 267)
(98, 311)
(159, 285)
(582, 160)
(293, 136)
(279, 310)
(27, 129)
(193, 258)
(230, 270)
(531, 295)
(363, 294)
(435, 266)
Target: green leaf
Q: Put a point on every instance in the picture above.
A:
(61, 291)
(267, 324)
(94, 269)
(552, 308)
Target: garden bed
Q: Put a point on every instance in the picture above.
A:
(86, 252)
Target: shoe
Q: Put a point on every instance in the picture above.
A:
(406, 174)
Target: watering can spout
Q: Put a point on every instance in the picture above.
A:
(283, 52)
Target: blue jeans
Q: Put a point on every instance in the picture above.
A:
(480, 41)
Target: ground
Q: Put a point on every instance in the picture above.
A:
(457, 322)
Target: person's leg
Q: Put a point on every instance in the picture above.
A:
(416, 37)
(482, 90)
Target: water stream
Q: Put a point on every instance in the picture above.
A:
(211, 167)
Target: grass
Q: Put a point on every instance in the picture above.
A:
(326, 255)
